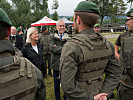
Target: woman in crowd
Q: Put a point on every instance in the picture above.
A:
(33, 50)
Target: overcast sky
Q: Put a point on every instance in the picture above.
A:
(66, 7)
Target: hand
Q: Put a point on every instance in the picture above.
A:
(117, 56)
(101, 96)
(54, 45)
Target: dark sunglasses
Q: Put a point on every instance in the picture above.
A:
(128, 19)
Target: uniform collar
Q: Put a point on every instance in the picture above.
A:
(6, 46)
(88, 31)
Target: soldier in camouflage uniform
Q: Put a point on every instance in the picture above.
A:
(44, 39)
(119, 42)
(125, 91)
(19, 78)
(86, 57)
(97, 28)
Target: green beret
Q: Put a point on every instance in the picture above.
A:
(97, 25)
(87, 6)
(19, 29)
(4, 19)
(130, 13)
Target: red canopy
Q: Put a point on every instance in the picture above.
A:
(44, 21)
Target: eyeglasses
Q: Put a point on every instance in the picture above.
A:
(128, 20)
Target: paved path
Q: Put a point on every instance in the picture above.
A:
(112, 36)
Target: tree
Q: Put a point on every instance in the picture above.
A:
(55, 7)
(39, 9)
(55, 16)
(21, 13)
(24, 12)
(105, 8)
(110, 8)
(118, 9)
(6, 7)
(130, 1)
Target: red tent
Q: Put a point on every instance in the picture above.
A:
(44, 21)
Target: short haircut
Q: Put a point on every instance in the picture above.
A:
(88, 19)
(3, 32)
(60, 20)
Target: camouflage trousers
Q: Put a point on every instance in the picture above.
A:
(124, 93)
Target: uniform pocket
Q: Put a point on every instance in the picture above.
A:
(126, 59)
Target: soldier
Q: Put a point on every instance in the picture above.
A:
(125, 91)
(118, 43)
(19, 78)
(19, 31)
(97, 28)
(57, 40)
(86, 57)
(44, 39)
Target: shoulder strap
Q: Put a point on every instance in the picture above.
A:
(6, 61)
(7, 64)
(88, 40)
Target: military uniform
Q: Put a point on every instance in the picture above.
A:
(126, 66)
(85, 75)
(121, 37)
(84, 60)
(44, 39)
(19, 78)
(125, 91)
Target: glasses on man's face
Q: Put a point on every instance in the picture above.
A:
(128, 20)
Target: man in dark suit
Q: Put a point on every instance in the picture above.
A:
(16, 39)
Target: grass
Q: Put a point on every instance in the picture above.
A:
(49, 82)
(111, 33)
(112, 40)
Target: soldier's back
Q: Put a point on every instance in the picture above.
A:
(18, 79)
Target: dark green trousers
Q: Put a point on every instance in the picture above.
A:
(124, 93)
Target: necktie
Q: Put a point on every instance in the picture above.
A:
(13, 38)
(61, 37)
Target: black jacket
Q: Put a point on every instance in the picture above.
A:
(18, 41)
(36, 58)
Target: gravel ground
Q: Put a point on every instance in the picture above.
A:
(112, 36)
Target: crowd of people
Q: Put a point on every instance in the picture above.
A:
(77, 61)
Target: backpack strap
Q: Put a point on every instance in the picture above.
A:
(29, 68)
(24, 65)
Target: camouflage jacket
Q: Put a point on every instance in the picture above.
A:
(72, 57)
(7, 50)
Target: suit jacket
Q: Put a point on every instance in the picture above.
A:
(17, 41)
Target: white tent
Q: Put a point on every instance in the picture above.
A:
(44, 21)
(68, 22)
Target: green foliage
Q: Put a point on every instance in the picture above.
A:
(55, 7)
(112, 40)
(55, 4)
(49, 82)
(110, 8)
(25, 12)
(55, 16)
(118, 9)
